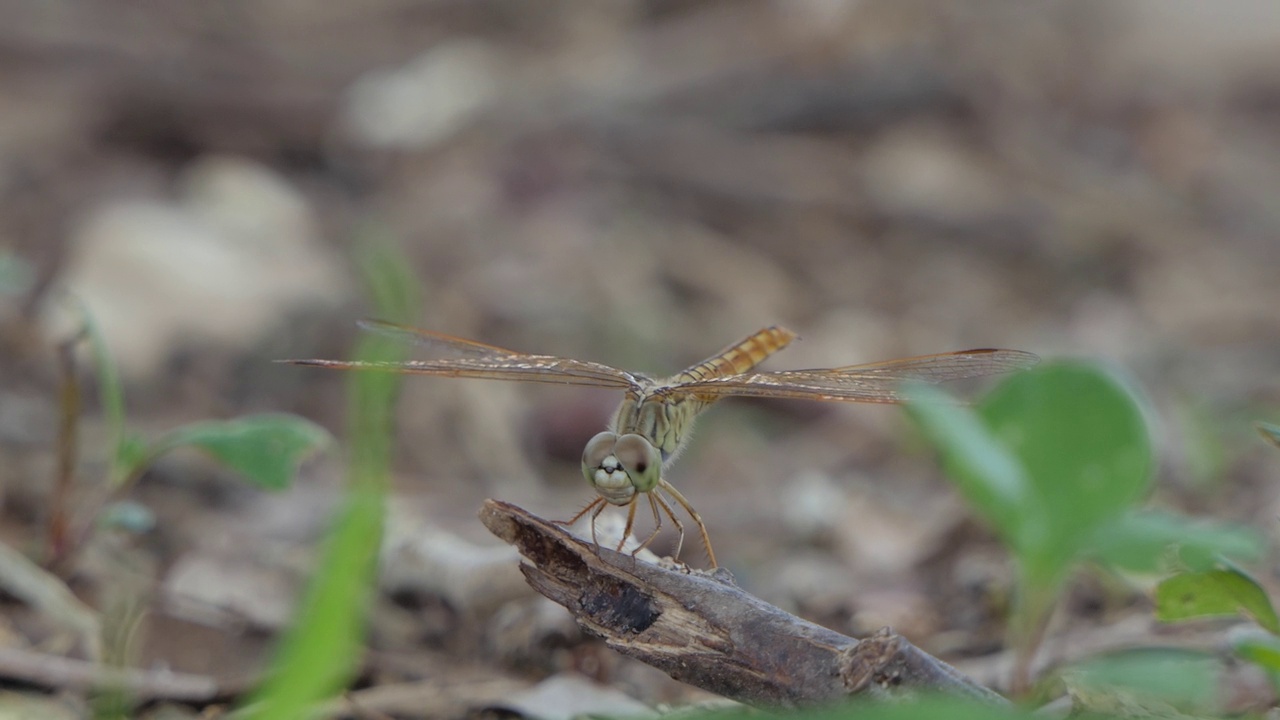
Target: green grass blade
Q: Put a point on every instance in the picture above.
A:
(395, 291)
(125, 455)
(322, 651)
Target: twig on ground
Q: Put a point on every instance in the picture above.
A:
(702, 629)
(63, 673)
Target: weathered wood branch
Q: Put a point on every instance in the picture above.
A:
(702, 629)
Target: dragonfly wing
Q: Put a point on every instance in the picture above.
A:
(451, 356)
(434, 343)
(875, 382)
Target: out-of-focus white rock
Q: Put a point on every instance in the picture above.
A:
(813, 507)
(215, 589)
(425, 101)
(476, 579)
(224, 262)
(567, 695)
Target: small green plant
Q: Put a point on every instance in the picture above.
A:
(1055, 460)
(263, 449)
(1215, 586)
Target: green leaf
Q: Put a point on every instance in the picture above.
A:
(265, 449)
(1261, 649)
(1147, 682)
(1082, 443)
(985, 471)
(1270, 432)
(1215, 593)
(1148, 541)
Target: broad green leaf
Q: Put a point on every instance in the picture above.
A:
(984, 470)
(1261, 649)
(1150, 682)
(1147, 541)
(1215, 593)
(266, 449)
(1082, 443)
(1270, 432)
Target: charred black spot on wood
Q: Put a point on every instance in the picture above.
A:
(619, 606)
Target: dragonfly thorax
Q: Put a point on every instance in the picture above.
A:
(619, 467)
(661, 418)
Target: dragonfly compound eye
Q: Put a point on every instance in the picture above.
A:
(599, 448)
(605, 471)
(641, 460)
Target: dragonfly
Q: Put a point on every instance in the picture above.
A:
(654, 421)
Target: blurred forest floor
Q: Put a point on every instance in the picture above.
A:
(637, 183)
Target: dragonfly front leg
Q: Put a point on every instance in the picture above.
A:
(598, 505)
(679, 525)
(702, 527)
(631, 521)
(590, 506)
(595, 540)
(657, 525)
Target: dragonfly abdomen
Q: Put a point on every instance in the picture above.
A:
(740, 357)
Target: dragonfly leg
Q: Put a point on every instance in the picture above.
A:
(679, 525)
(590, 506)
(702, 528)
(631, 520)
(657, 525)
(595, 515)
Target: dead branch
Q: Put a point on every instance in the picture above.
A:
(702, 629)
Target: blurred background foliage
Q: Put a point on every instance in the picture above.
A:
(635, 182)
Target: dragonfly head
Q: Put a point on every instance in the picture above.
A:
(618, 467)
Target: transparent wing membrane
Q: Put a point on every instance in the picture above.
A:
(875, 382)
(455, 357)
